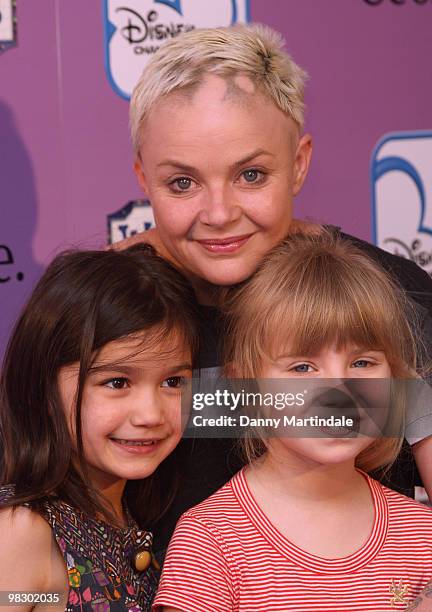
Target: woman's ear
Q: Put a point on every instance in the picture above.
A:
(139, 173)
(302, 159)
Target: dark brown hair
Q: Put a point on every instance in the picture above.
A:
(84, 300)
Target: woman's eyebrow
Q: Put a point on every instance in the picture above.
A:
(251, 156)
(175, 164)
(186, 168)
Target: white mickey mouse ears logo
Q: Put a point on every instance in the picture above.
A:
(401, 175)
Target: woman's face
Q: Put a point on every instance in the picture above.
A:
(221, 165)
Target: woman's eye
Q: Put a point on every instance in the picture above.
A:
(116, 383)
(302, 368)
(182, 183)
(252, 175)
(361, 363)
(174, 382)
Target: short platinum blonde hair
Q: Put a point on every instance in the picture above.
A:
(255, 51)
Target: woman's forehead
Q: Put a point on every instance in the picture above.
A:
(210, 88)
(220, 116)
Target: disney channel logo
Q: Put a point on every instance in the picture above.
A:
(139, 29)
(135, 29)
(411, 251)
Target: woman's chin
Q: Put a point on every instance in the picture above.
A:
(225, 274)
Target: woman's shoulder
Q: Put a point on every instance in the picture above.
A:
(408, 273)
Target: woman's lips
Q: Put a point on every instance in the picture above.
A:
(224, 245)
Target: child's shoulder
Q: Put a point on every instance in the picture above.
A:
(405, 507)
(23, 524)
(210, 528)
(221, 503)
(20, 521)
(26, 547)
(22, 528)
(222, 514)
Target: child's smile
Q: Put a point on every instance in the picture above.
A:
(141, 447)
(131, 409)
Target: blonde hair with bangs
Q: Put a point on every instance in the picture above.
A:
(314, 291)
(251, 50)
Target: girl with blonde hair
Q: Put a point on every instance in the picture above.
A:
(304, 527)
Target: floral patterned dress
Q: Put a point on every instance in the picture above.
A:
(99, 559)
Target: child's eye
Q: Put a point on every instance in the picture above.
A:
(174, 382)
(117, 383)
(302, 368)
(361, 363)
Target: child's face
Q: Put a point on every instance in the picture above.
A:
(131, 408)
(350, 362)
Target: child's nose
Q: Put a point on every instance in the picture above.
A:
(332, 401)
(147, 411)
(336, 372)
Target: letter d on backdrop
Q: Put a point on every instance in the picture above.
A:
(135, 29)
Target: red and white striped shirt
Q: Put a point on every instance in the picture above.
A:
(225, 555)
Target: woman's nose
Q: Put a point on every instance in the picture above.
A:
(220, 208)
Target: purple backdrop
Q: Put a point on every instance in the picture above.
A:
(65, 159)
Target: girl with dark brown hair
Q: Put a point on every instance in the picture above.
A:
(90, 420)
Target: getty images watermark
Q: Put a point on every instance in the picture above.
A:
(305, 408)
(278, 401)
